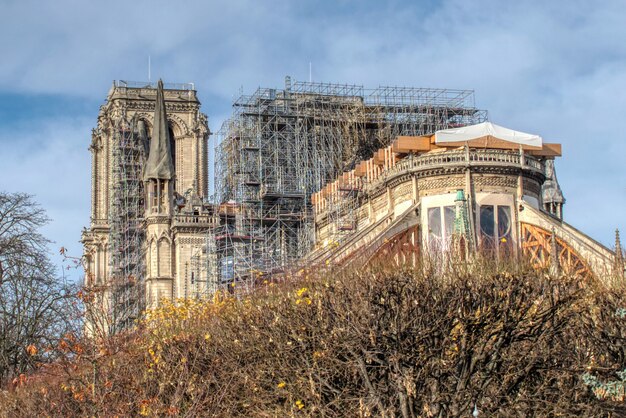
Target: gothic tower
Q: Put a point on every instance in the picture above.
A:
(149, 148)
(159, 178)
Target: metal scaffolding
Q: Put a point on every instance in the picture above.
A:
(126, 233)
(280, 146)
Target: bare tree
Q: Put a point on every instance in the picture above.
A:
(33, 301)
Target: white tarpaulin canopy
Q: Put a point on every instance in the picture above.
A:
(487, 130)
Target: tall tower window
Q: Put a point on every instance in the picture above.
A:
(172, 143)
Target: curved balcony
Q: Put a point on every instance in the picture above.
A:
(445, 161)
(460, 159)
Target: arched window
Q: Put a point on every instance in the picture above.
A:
(441, 221)
(495, 226)
(143, 136)
(172, 143)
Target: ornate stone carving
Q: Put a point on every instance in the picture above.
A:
(509, 182)
(189, 240)
(442, 182)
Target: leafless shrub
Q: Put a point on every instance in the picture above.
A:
(33, 301)
(497, 337)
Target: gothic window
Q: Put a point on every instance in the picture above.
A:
(434, 222)
(487, 221)
(163, 196)
(449, 214)
(172, 144)
(153, 197)
(143, 134)
(504, 223)
(495, 226)
(440, 226)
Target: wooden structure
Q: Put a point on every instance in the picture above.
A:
(546, 250)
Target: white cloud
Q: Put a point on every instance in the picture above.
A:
(554, 68)
(49, 160)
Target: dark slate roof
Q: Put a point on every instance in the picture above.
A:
(159, 164)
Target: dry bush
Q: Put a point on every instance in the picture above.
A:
(504, 339)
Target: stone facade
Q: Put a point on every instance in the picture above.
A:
(503, 200)
(167, 231)
(410, 181)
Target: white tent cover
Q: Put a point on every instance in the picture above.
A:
(487, 129)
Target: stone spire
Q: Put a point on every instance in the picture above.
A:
(462, 232)
(461, 220)
(551, 193)
(159, 164)
(555, 266)
(619, 255)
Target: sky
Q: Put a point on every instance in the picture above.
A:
(553, 68)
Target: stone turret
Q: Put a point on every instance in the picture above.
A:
(551, 193)
(159, 165)
(159, 178)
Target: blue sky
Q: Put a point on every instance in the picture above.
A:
(554, 68)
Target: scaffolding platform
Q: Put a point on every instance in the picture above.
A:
(288, 143)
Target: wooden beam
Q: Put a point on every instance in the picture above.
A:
(548, 150)
(379, 157)
(360, 169)
(536, 238)
(404, 144)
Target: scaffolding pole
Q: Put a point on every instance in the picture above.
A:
(126, 234)
(281, 146)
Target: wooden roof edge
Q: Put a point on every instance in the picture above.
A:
(379, 157)
(359, 169)
(404, 144)
(548, 150)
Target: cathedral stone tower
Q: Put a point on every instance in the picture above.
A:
(149, 164)
(159, 178)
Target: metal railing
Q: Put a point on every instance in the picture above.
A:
(152, 85)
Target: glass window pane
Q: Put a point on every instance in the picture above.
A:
(504, 222)
(434, 222)
(449, 215)
(228, 268)
(487, 221)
